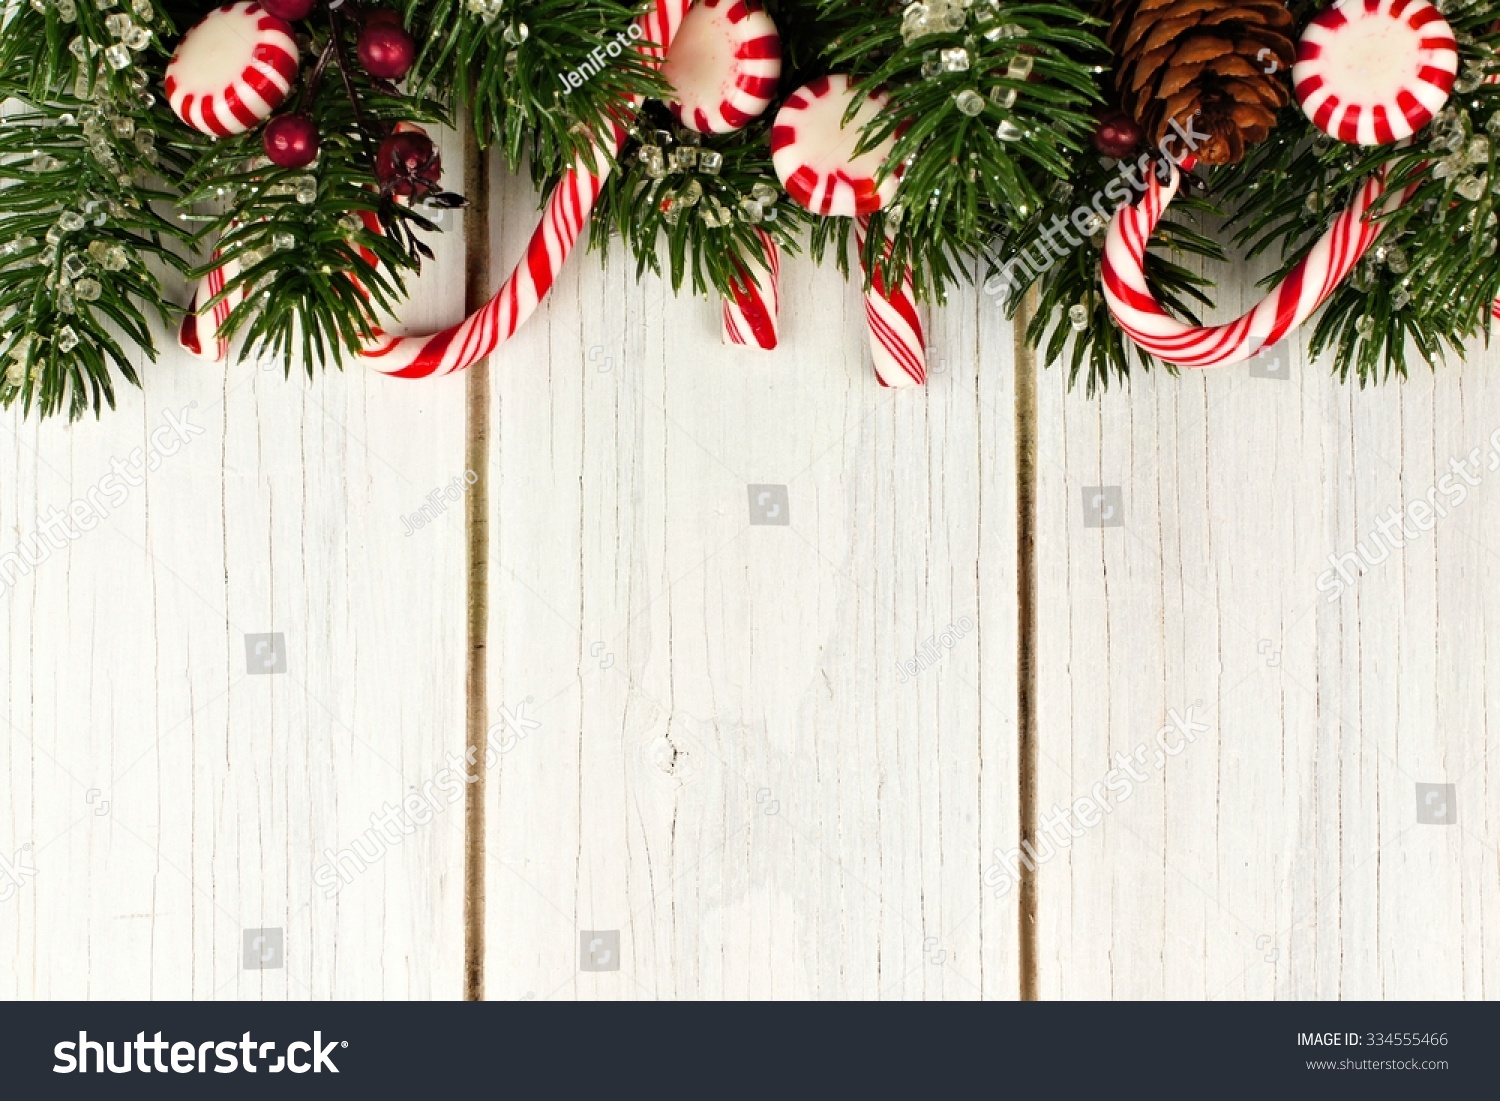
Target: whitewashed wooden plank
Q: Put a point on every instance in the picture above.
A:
(729, 773)
(1425, 611)
(1279, 854)
(127, 675)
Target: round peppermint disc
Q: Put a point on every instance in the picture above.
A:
(812, 150)
(233, 70)
(723, 65)
(1371, 72)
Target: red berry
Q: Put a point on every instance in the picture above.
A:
(386, 51)
(1117, 135)
(291, 141)
(408, 164)
(290, 10)
(1033, 77)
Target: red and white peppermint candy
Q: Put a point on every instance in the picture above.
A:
(723, 66)
(1295, 299)
(233, 70)
(1372, 72)
(812, 150)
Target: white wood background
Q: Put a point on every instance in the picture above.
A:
(1278, 855)
(729, 770)
(126, 673)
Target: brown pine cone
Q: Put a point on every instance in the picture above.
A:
(1220, 65)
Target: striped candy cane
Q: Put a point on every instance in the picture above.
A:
(566, 213)
(751, 315)
(1292, 302)
(896, 338)
(199, 334)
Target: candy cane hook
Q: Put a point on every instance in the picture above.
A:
(1289, 304)
(566, 214)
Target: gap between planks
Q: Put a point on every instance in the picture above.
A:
(1026, 674)
(477, 536)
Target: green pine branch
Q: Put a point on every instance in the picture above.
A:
(81, 154)
(1058, 250)
(983, 116)
(318, 281)
(506, 63)
(704, 221)
(1427, 284)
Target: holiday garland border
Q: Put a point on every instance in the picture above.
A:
(993, 117)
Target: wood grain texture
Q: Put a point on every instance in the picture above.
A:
(729, 771)
(127, 683)
(1278, 854)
